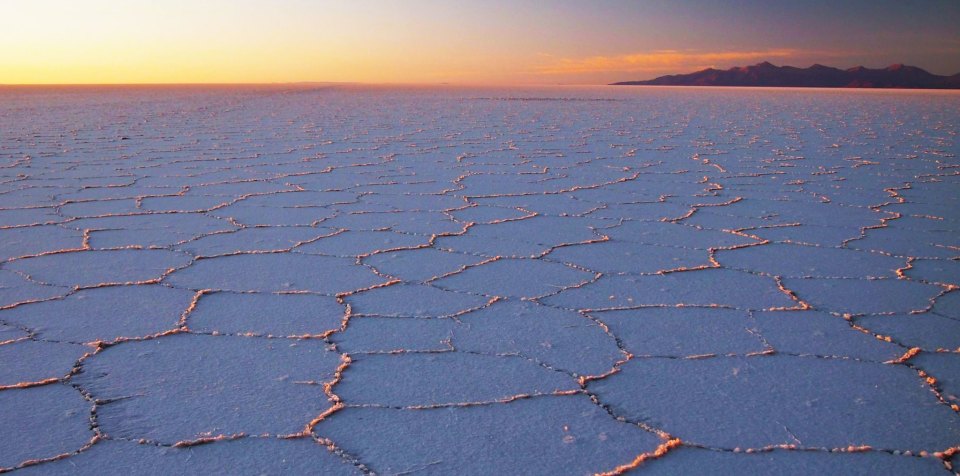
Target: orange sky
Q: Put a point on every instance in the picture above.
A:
(429, 41)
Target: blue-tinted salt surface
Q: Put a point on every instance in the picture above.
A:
(349, 280)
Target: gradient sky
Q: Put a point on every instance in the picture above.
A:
(462, 41)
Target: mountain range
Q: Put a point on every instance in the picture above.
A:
(816, 76)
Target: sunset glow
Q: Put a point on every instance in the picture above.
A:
(427, 41)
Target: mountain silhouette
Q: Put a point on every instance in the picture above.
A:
(816, 76)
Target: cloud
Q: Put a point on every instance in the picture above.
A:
(659, 60)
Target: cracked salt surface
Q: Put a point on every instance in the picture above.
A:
(351, 280)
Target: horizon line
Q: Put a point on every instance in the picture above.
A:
(417, 83)
(477, 85)
(307, 83)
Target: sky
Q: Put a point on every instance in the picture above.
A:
(459, 42)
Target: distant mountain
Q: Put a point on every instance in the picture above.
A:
(816, 76)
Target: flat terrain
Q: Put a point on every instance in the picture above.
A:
(347, 280)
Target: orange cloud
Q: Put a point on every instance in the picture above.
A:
(660, 60)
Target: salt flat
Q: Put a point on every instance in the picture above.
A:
(360, 280)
